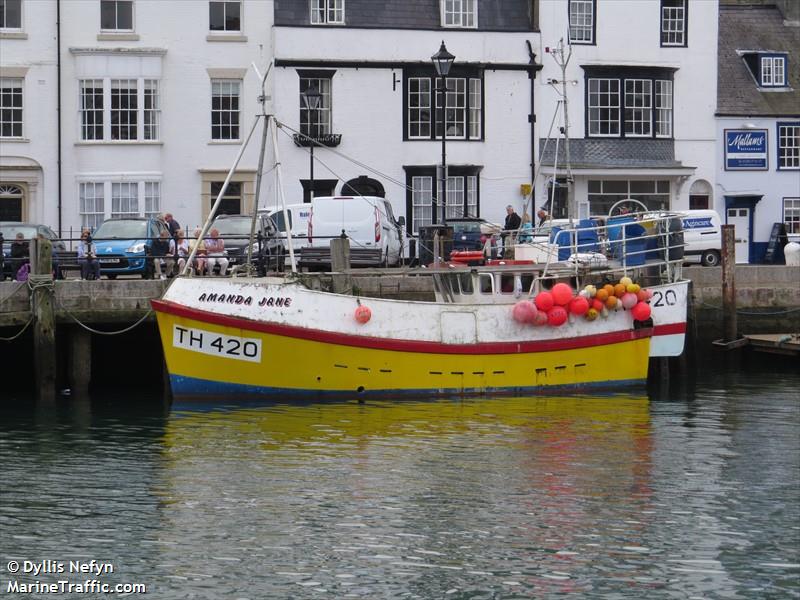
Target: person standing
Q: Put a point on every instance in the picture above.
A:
(173, 225)
(510, 227)
(20, 253)
(160, 252)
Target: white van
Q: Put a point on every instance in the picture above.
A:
(299, 214)
(376, 237)
(702, 234)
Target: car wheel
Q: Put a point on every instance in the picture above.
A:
(710, 258)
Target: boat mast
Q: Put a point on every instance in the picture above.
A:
(562, 60)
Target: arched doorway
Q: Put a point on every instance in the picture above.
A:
(11, 201)
(363, 186)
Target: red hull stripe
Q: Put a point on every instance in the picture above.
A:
(669, 329)
(359, 341)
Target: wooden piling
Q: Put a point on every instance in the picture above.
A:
(44, 323)
(80, 361)
(729, 322)
(340, 265)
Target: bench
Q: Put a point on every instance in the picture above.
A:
(65, 261)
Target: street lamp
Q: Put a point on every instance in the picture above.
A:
(311, 98)
(442, 61)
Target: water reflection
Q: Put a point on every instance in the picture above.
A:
(616, 496)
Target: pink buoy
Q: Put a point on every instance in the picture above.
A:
(524, 311)
(629, 300)
(363, 314)
(562, 294)
(579, 306)
(557, 316)
(641, 312)
(642, 295)
(544, 301)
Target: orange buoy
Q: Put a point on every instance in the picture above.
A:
(363, 314)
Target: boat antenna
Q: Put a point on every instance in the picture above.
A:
(562, 60)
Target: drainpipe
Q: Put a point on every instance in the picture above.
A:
(532, 121)
(58, 104)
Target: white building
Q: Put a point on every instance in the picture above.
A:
(153, 101)
(758, 125)
(372, 63)
(641, 102)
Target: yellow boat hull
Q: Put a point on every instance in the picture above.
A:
(211, 355)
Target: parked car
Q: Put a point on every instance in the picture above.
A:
(268, 254)
(472, 233)
(122, 245)
(376, 237)
(10, 229)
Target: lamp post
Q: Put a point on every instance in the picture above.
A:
(311, 98)
(442, 61)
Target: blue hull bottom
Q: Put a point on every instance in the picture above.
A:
(205, 389)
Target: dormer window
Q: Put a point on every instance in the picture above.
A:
(459, 13)
(327, 12)
(773, 70)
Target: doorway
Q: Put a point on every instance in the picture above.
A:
(11, 202)
(740, 219)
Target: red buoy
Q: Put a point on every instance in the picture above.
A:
(363, 314)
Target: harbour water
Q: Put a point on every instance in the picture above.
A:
(691, 494)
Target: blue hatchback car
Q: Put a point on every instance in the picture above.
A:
(122, 244)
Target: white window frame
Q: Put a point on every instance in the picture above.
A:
(419, 112)
(217, 87)
(773, 71)
(327, 12)
(124, 199)
(13, 83)
(225, 4)
(663, 108)
(151, 109)
(6, 28)
(581, 21)
(152, 198)
(124, 118)
(595, 121)
(455, 113)
(462, 14)
(91, 196)
(421, 202)
(638, 107)
(673, 23)
(789, 146)
(475, 108)
(323, 118)
(90, 116)
(791, 215)
(146, 121)
(117, 4)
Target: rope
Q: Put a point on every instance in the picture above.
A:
(19, 333)
(21, 284)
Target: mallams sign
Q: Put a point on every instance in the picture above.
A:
(746, 150)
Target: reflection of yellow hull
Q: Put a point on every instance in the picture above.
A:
(348, 421)
(293, 361)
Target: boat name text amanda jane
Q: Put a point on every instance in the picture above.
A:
(277, 301)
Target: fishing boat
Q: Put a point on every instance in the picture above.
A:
(247, 336)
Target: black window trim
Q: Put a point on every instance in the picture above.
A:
(431, 171)
(457, 72)
(624, 73)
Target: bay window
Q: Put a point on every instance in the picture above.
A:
(112, 110)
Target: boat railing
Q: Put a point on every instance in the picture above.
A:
(622, 243)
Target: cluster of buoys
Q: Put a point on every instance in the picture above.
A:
(555, 306)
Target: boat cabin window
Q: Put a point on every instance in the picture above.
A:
(507, 283)
(486, 283)
(466, 283)
(526, 281)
